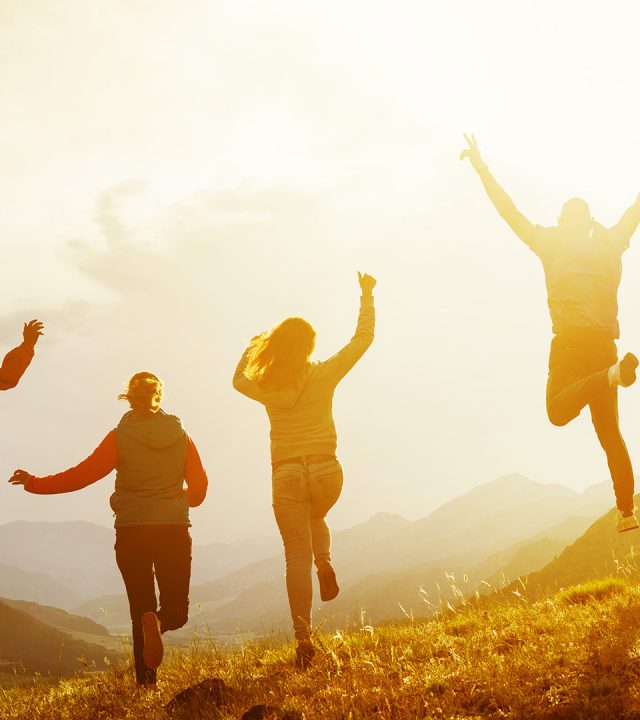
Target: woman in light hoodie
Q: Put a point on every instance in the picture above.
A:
(153, 457)
(276, 371)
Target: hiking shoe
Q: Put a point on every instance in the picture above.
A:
(623, 373)
(627, 522)
(153, 648)
(328, 583)
(628, 366)
(304, 654)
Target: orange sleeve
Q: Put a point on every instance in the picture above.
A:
(195, 476)
(13, 366)
(99, 464)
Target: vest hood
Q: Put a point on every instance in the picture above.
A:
(152, 430)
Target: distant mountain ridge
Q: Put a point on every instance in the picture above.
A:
(28, 645)
(494, 533)
(42, 561)
(486, 537)
(21, 584)
(57, 618)
(599, 552)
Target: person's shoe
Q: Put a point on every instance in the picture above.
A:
(328, 584)
(624, 371)
(304, 654)
(148, 687)
(627, 522)
(153, 648)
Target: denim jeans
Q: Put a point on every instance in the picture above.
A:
(303, 493)
(146, 553)
(578, 366)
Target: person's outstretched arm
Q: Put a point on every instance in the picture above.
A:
(627, 225)
(98, 465)
(195, 476)
(340, 364)
(17, 360)
(241, 382)
(520, 225)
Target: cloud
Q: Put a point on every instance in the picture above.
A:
(208, 243)
(60, 321)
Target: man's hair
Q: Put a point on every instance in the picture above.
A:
(574, 210)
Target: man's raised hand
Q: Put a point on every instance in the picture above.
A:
(32, 331)
(472, 152)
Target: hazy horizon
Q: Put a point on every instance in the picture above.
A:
(175, 182)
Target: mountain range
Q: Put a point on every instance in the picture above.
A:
(388, 567)
(35, 639)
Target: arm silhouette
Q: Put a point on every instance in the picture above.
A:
(520, 224)
(241, 382)
(195, 476)
(339, 364)
(17, 360)
(627, 225)
(102, 461)
(98, 465)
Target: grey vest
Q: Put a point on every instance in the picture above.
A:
(149, 482)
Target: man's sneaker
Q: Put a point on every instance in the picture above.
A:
(153, 648)
(328, 584)
(627, 522)
(628, 366)
(624, 371)
(304, 654)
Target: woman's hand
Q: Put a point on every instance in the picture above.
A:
(20, 477)
(367, 283)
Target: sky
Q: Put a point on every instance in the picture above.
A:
(176, 178)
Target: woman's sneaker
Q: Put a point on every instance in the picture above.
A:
(153, 648)
(304, 654)
(328, 584)
(627, 522)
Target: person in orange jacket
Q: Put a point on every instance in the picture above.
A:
(153, 457)
(16, 361)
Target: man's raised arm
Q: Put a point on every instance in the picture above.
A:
(17, 360)
(520, 225)
(627, 225)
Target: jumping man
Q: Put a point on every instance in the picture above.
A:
(582, 262)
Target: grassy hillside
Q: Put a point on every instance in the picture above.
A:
(600, 552)
(573, 655)
(28, 645)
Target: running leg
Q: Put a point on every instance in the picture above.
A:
(604, 415)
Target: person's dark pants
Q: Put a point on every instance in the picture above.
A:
(142, 553)
(578, 376)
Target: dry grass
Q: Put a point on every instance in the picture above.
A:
(576, 655)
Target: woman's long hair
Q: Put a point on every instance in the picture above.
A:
(144, 392)
(279, 359)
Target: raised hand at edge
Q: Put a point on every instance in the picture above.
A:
(472, 151)
(32, 331)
